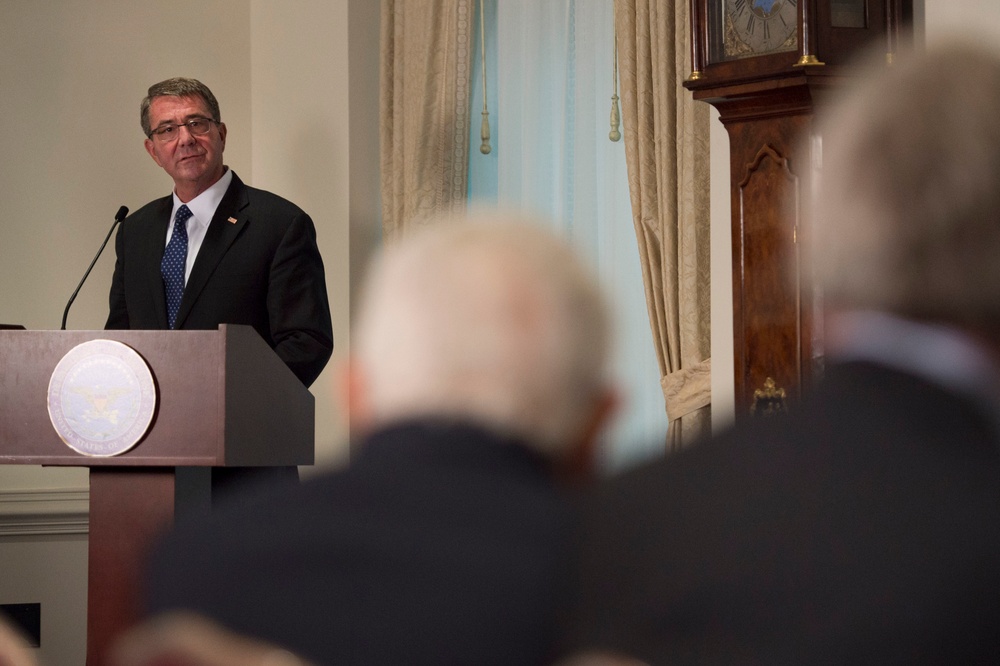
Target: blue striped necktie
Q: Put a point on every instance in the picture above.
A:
(174, 262)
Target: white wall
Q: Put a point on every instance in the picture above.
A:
(72, 75)
(964, 18)
(299, 137)
(723, 391)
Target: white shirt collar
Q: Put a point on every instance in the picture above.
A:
(203, 209)
(944, 355)
(203, 206)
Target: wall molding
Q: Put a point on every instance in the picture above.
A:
(43, 512)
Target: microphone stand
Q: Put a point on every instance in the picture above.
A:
(119, 216)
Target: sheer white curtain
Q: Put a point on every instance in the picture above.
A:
(552, 64)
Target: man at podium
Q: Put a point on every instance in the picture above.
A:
(217, 251)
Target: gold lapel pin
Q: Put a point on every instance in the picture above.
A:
(232, 220)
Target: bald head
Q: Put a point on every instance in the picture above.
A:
(490, 320)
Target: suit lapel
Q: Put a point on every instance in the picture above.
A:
(226, 226)
(153, 237)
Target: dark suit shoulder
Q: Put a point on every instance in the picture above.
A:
(156, 209)
(242, 195)
(271, 200)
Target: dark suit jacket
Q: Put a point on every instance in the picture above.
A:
(863, 528)
(443, 543)
(263, 270)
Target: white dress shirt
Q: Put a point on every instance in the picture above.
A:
(937, 353)
(202, 208)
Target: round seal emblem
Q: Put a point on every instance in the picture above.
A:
(101, 398)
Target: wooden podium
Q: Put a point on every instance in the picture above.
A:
(224, 399)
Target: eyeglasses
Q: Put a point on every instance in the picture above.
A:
(197, 127)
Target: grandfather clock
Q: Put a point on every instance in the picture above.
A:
(766, 65)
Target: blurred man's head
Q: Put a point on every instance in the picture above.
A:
(907, 219)
(494, 321)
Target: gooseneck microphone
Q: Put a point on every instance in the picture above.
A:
(119, 216)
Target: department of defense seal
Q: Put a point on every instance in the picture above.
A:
(102, 398)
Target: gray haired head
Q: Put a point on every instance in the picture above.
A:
(907, 212)
(493, 320)
(177, 87)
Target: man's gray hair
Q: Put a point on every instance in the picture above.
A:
(491, 320)
(907, 217)
(177, 87)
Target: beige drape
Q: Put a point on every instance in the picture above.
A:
(667, 152)
(424, 109)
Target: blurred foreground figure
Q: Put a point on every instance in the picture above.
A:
(14, 650)
(178, 639)
(862, 528)
(477, 385)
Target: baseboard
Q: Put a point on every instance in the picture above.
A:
(40, 512)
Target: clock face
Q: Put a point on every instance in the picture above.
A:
(755, 27)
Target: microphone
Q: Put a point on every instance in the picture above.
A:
(119, 216)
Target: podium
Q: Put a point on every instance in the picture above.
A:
(224, 399)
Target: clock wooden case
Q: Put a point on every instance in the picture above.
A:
(766, 65)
